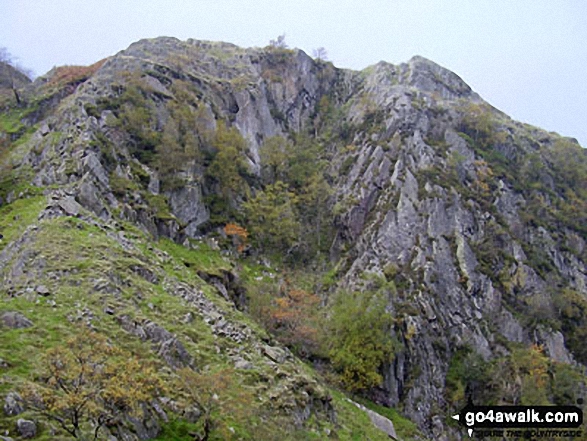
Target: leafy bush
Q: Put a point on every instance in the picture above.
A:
(467, 374)
(272, 218)
(358, 338)
(228, 170)
(526, 375)
(572, 311)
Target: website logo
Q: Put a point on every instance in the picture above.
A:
(521, 421)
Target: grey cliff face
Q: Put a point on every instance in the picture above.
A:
(396, 208)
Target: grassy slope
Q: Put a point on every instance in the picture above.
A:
(87, 271)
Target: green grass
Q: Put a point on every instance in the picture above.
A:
(82, 253)
(405, 429)
(15, 217)
(11, 121)
(202, 258)
(23, 348)
(355, 424)
(177, 430)
(18, 185)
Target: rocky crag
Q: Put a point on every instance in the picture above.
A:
(472, 224)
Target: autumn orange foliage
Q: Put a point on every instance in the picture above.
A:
(69, 75)
(239, 235)
(293, 318)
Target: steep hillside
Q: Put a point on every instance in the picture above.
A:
(11, 80)
(68, 270)
(178, 196)
(10, 76)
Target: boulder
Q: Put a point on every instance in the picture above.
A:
(42, 290)
(379, 421)
(191, 414)
(26, 428)
(275, 354)
(89, 197)
(15, 320)
(243, 364)
(13, 404)
(70, 206)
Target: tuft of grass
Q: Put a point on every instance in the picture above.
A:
(354, 424)
(11, 121)
(406, 429)
(200, 258)
(177, 430)
(15, 217)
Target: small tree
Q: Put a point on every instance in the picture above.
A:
(275, 154)
(272, 218)
(229, 166)
(320, 54)
(88, 383)
(278, 43)
(294, 319)
(170, 157)
(477, 121)
(211, 392)
(227, 173)
(239, 235)
(315, 209)
(136, 115)
(358, 338)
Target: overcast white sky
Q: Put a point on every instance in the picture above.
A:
(526, 57)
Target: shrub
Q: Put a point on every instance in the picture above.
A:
(358, 338)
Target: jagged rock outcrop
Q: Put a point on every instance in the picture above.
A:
(11, 77)
(434, 193)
